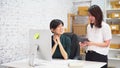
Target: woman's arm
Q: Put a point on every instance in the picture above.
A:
(54, 48)
(104, 44)
(62, 50)
(55, 45)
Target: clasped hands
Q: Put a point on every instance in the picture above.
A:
(56, 39)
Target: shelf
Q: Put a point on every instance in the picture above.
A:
(114, 49)
(79, 2)
(113, 9)
(113, 0)
(116, 34)
(112, 58)
(112, 18)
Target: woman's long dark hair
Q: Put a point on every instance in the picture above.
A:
(96, 11)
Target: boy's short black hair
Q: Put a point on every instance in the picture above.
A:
(55, 23)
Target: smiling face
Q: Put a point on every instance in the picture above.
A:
(59, 30)
(56, 27)
(95, 15)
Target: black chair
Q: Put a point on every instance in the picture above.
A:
(75, 47)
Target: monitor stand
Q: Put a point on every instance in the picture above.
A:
(32, 59)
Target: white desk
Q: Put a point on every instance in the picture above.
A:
(55, 64)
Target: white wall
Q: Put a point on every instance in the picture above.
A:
(18, 16)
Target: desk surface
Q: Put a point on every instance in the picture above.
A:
(55, 64)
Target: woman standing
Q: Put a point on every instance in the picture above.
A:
(99, 35)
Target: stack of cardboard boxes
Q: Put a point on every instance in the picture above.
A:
(115, 4)
(79, 26)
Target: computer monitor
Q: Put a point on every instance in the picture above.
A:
(40, 45)
(3, 66)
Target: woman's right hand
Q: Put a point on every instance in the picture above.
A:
(83, 44)
(55, 39)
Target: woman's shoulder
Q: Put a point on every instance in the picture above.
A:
(65, 37)
(105, 25)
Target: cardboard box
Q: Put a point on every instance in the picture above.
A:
(79, 29)
(115, 4)
(116, 46)
(115, 32)
(109, 16)
(114, 27)
(83, 10)
(114, 15)
(83, 13)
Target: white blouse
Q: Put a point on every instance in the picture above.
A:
(99, 35)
